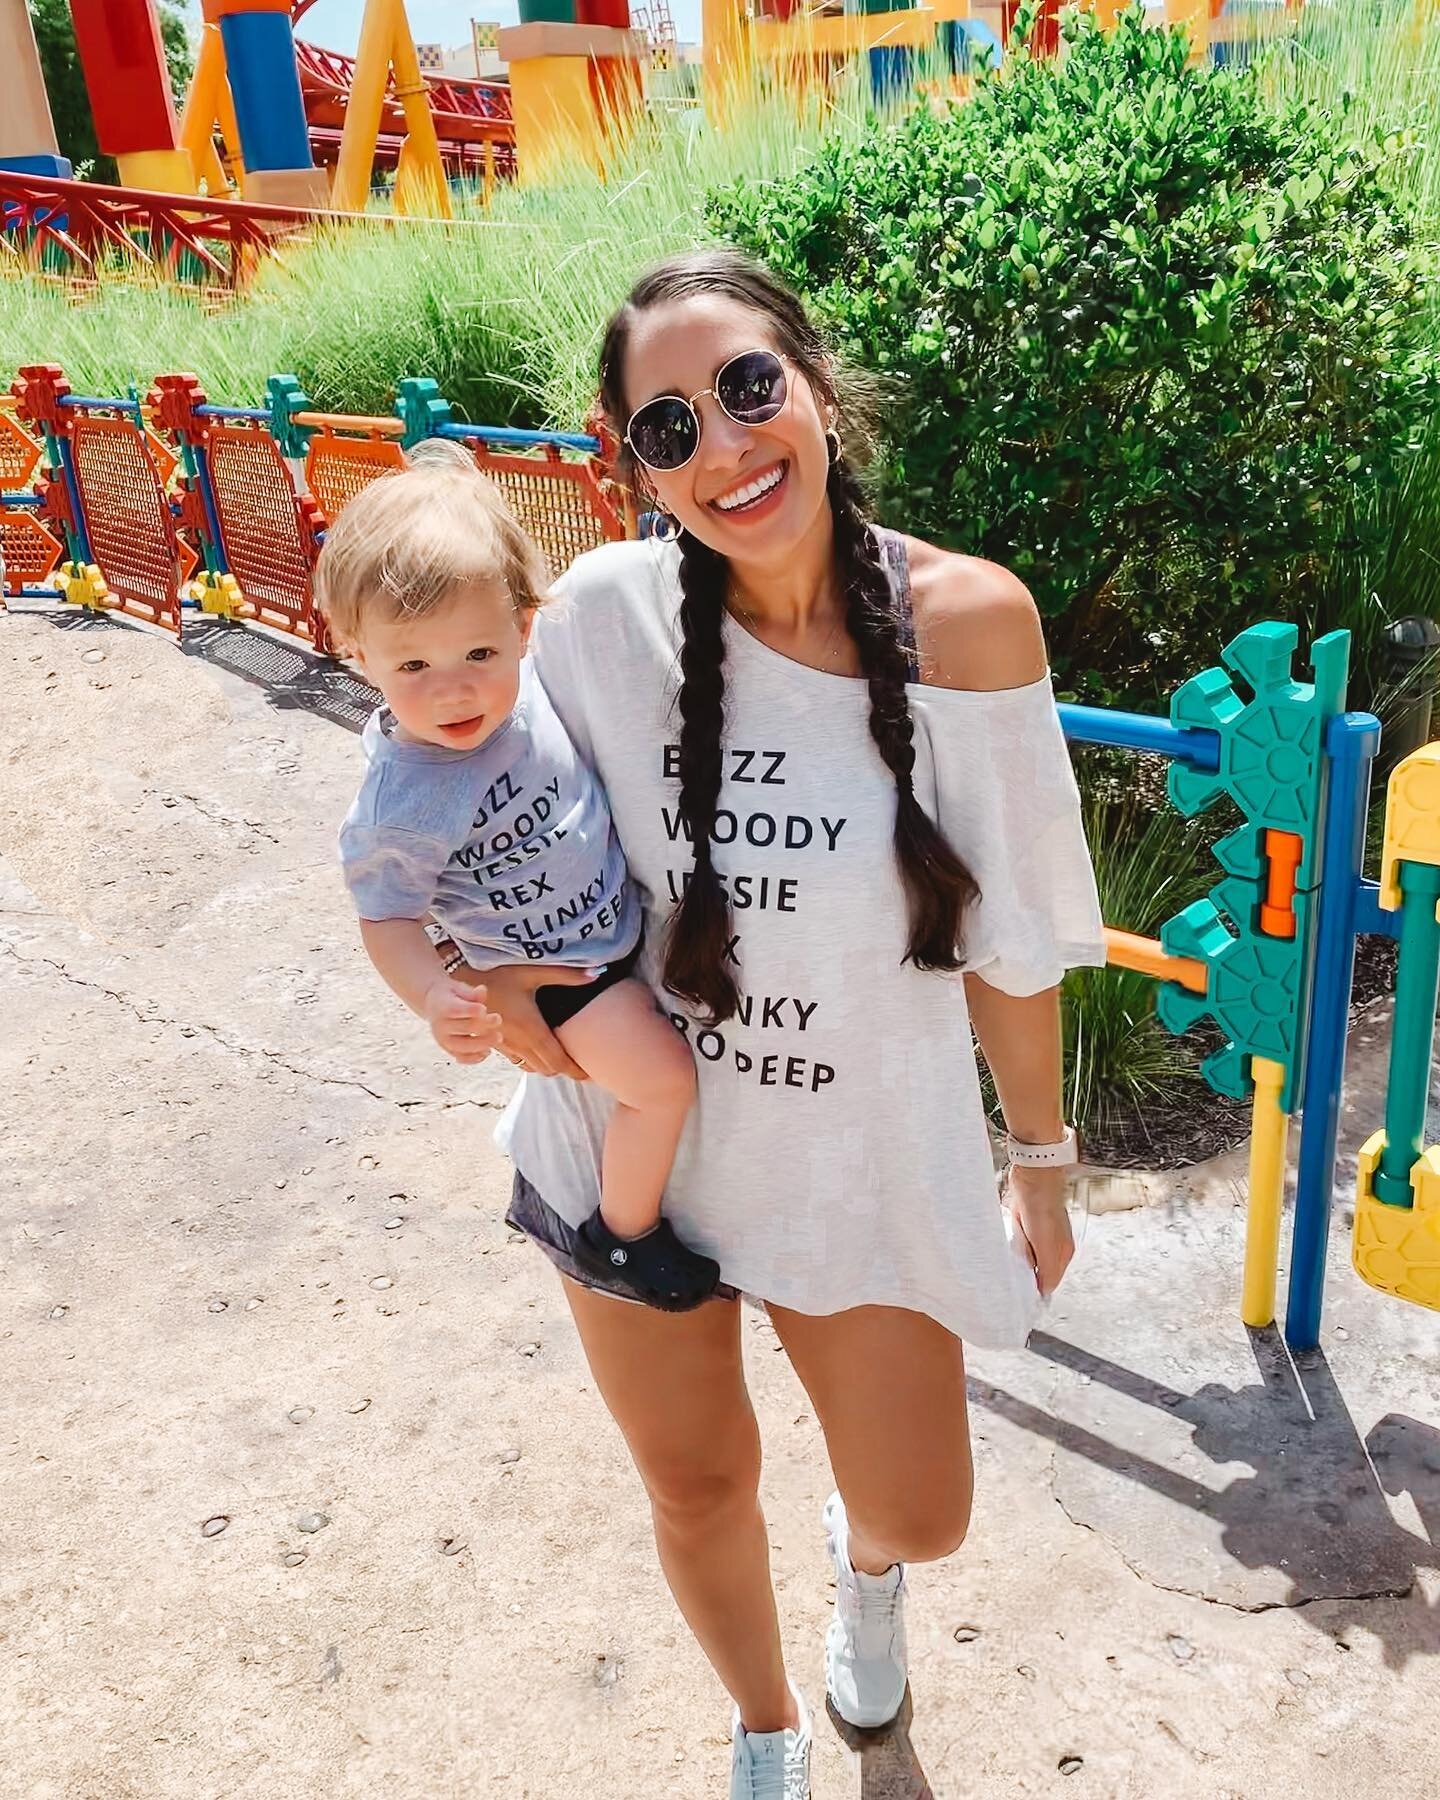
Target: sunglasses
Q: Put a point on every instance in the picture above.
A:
(751, 389)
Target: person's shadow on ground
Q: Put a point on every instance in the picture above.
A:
(889, 1766)
(1314, 1508)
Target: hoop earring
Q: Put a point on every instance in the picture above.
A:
(837, 449)
(664, 527)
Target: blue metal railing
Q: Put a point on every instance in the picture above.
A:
(509, 435)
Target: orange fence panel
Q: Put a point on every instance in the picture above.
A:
(30, 553)
(132, 534)
(19, 453)
(266, 537)
(339, 468)
(561, 503)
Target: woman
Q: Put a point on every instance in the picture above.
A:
(836, 770)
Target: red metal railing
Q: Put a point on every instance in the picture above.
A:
(85, 222)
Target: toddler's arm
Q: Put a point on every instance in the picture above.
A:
(456, 1011)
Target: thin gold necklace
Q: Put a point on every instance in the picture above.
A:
(834, 644)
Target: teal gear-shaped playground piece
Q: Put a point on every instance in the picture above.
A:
(1272, 765)
(1272, 747)
(285, 397)
(422, 407)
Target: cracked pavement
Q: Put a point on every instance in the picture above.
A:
(257, 1283)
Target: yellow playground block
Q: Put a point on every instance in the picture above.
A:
(82, 584)
(1397, 1248)
(1412, 820)
(158, 171)
(217, 594)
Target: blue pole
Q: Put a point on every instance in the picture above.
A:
(890, 75)
(1197, 747)
(89, 403)
(265, 83)
(233, 412)
(59, 449)
(212, 514)
(506, 434)
(1351, 740)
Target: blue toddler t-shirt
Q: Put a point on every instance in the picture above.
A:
(510, 845)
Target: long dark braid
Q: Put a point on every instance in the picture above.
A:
(700, 929)
(937, 884)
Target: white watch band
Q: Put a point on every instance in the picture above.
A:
(1062, 1155)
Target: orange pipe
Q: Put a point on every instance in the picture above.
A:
(1124, 950)
(352, 422)
(1277, 909)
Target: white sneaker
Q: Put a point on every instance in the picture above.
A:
(865, 1645)
(771, 1765)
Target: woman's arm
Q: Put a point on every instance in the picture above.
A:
(525, 1039)
(1020, 1039)
(977, 627)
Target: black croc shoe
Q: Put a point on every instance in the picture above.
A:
(656, 1268)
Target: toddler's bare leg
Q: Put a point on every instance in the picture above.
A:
(624, 1045)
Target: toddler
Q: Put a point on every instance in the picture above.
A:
(477, 810)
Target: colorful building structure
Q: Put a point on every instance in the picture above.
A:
(576, 81)
(248, 84)
(27, 130)
(128, 82)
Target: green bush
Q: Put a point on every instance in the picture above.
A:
(1151, 333)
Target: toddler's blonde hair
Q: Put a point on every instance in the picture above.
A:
(408, 541)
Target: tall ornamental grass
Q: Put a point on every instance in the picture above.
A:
(503, 305)
(1374, 65)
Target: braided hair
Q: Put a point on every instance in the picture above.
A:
(938, 887)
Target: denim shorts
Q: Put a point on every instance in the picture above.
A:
(529, 1213)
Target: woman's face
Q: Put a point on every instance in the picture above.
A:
(678, 348)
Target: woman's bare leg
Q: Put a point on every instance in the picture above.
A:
(675, 1385)
(888, 1387)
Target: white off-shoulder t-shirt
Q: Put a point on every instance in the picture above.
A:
(838, 1153)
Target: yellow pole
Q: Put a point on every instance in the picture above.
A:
(424, 189)
(202, 110)
(1268, 1131)
(229, 126)
(723, 37)
(351, 187)
(1195, 16)
(385, 40)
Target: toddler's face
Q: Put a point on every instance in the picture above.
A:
(451, 676)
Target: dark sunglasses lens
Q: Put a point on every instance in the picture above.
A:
(752, 387)
(663, 435)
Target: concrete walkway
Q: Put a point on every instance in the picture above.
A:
(305, 1490)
